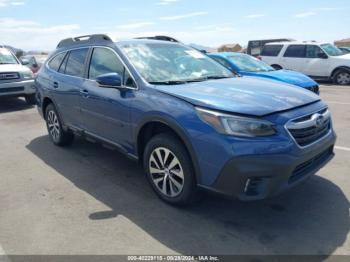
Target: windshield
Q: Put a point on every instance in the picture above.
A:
(6, 57)
(165, 63)
(250, 64)
(332, 50)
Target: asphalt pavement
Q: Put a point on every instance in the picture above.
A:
(86, 199)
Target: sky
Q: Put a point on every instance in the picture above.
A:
(41, 24)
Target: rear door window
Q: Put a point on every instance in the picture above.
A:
(76, 62)
(295, 51)
(55, 63)
(271, 50)
(62, 68)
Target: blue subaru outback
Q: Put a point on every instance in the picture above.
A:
(190, 122)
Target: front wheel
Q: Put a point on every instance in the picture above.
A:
(342, 77)
(169, 170)
(57, 134)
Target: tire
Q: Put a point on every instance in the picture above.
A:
(277, 67)
(30, 99)
(57, 134)
(173, 180)
(342, 77)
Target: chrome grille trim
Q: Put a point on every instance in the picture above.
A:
(9, 76)
(311, 128)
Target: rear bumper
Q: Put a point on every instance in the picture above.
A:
(20, 88)
(256, 177)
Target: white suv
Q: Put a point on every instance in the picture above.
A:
(16, 80)
(321, 61)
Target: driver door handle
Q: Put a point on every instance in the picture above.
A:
(84, 92)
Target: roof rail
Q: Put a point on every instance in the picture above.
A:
(89, 39)
(161, 38)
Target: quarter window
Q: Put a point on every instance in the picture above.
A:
(128, 81)
(76, 62)
(271, 50)
(296, 51)
(55, 63)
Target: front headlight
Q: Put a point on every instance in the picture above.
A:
(236, 125)
(28, 75)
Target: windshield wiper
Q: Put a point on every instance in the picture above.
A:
(182, 82)
(206, 78)
(218, 77)
(168, 82)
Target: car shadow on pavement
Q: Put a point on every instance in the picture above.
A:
(310, 219)
(13, 104)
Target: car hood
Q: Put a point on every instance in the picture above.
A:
(242, 95)
(13, 68)
(345, 57)
(290, 77)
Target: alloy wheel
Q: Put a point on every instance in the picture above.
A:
(343, 78)
(166, 172)
(53, 125)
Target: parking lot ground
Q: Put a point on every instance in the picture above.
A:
(86, 199)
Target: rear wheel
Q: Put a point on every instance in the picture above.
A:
(342, 77)
(57, 134)
(169, 170)
(30, 99)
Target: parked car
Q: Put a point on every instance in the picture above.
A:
(255, 46)
(247, 65)
(321, 61)
(16, 80)
(34, 62)
(190, 121)
(346, 50)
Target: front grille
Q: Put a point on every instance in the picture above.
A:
(303, 169)
(11, 89)
(311, 128)
(9, 76)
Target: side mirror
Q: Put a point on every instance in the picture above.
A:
(322, 55)
(111, 80)
(25, 62)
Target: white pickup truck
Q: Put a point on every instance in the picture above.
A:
(16, 80)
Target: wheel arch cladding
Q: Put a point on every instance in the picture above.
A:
(45, 103)
(337, 69)
(157, 125)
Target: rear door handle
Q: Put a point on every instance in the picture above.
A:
(55, 85)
